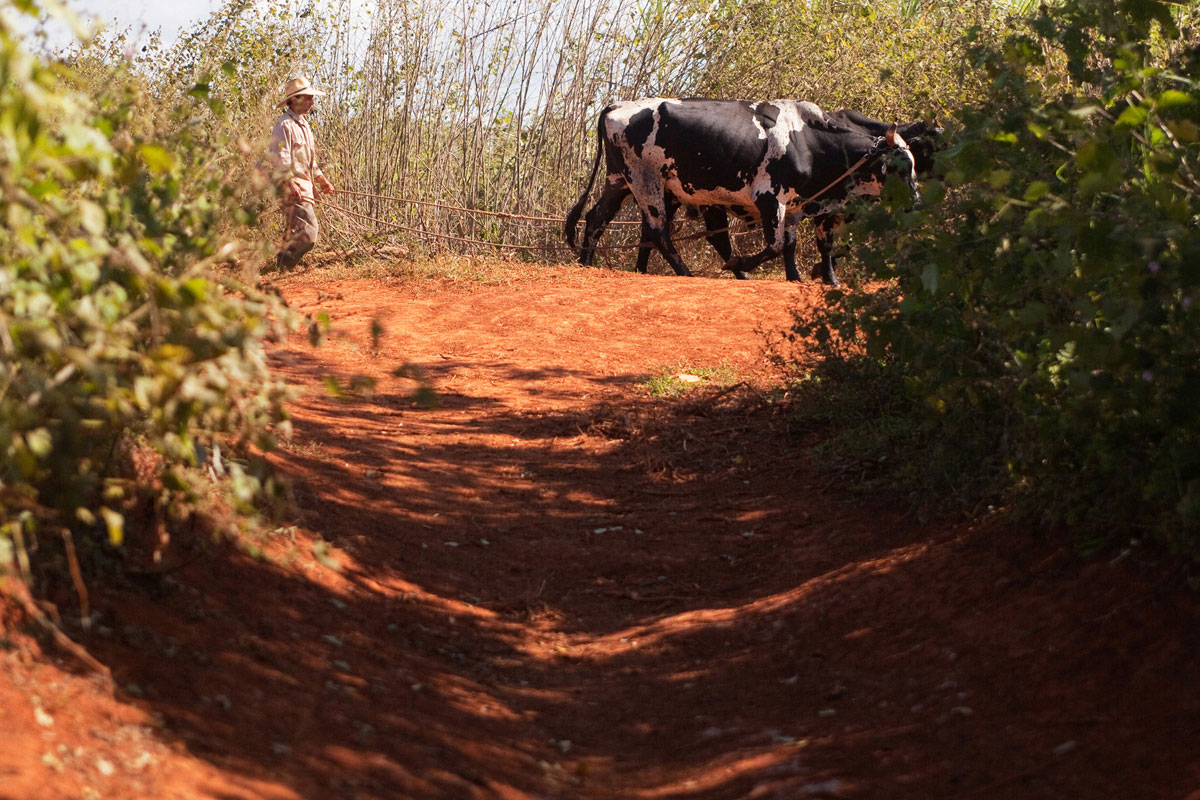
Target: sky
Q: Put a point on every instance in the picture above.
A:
(172, 16)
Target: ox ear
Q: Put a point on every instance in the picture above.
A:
(893, 137)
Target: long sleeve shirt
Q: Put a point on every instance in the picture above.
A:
(295, 154)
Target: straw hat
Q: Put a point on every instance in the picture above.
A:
(296, 87)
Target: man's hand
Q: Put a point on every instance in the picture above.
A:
(326, 186)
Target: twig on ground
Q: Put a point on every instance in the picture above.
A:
(64, 642)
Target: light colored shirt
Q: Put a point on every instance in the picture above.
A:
(295, 154)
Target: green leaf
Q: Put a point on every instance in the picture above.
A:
(1036, 191)
(1172, 98)
(1132, 117)
(1097, 183)
(999, 178)
(195, 290)
(1184, 130)
(171, 480)
(933, 192)
(92, 217)
(156, 158)
(1095, 156)
(115, 523)
(46, 186)
(929, 277)
(39, 442)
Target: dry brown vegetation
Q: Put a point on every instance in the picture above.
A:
(464, 107)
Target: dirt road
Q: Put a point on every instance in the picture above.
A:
(555, 585)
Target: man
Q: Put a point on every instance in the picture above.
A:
(296, 169)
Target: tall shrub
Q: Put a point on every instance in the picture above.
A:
(888, 60)
(1044, 317)
(119, 336)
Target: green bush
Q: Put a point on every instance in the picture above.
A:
(1042, 311)
(121, 338)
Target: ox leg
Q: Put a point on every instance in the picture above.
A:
(661, 237)
(598, 218)
(789, 254)
(643, 258)
(656, 225)
(825, 225)
(647, 240)
(774, 225)
(716, 221)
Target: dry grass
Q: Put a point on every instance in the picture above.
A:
(468, 127)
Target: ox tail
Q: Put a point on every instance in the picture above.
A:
(576, 210)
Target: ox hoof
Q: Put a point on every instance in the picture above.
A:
(734, 265)
(819, 273)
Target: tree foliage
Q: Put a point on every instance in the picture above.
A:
(887, 60)
(1041, 333)
(120, 337)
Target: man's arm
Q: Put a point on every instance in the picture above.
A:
(283, 141)
(319, 176)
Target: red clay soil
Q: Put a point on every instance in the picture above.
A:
(554, 585)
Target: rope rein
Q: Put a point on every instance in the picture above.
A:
(867, 156)
(388, 228)
(355, 219)
(480, 211)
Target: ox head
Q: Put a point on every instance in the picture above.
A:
(890, 155)
(922, 141)
(921, 137)
(900, 160)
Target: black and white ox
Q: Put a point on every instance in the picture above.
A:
(776, 162)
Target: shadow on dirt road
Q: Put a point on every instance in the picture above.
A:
(555, 586)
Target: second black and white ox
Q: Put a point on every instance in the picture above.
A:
(776, 161)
